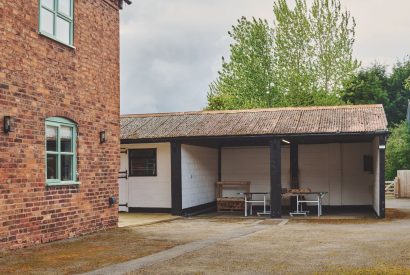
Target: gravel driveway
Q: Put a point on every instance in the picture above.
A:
(231, 245)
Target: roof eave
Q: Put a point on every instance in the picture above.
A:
(259, 136)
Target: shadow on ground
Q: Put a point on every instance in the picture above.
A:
(82, 254)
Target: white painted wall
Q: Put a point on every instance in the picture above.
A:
(335, 168)
(153, 192)
(321, 171)
(376, 168)
(357, 184)
(252, 163)
(199, 167)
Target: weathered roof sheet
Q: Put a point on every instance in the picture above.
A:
(275, 121)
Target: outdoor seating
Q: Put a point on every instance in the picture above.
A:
(250, 200)
(301, 199)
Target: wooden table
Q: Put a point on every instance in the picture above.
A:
(231, 203)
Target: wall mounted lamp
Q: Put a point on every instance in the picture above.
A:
(103, 137)
(8, 124)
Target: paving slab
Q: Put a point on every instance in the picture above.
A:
(139, 219)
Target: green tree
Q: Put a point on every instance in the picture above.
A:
(369, 86)
(293, 75)
(303, 60)
(399, 94)
(407, 83)
(246, 80)
(398, 150)
(313, 51)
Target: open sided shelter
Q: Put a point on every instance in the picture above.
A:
(172, 160)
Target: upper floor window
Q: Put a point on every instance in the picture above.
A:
(142, 162)
(61, 160)
(56, 20)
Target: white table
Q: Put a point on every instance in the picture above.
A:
(299, 201)
(249, 201)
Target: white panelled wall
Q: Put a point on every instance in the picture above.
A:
(148, 192)
(252, 164)
(199, 173)
(334, 168)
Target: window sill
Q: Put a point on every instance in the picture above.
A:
(56, 40)
(64, 183)
(148, 176)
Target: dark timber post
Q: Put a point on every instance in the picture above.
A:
(219, 163)
(294, 171)
(275, 178)
(176, 179)
(382, 156)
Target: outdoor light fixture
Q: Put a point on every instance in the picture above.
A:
(103, 138)
(111, 201)
(8, 121)
(121, 3)
(285, 141)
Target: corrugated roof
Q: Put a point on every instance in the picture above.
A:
(276, 121)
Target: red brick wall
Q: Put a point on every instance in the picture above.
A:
(40, 78)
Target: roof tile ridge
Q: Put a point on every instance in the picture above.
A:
(254, 110)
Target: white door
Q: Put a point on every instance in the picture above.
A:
(123, 184)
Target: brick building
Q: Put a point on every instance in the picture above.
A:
(59, 100)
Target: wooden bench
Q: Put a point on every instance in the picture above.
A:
(231, 203)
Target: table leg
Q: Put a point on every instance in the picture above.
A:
(318, 205)
(264, 204)
(297, 203)
(246, 207)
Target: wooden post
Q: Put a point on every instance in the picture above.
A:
(382, 157)
(294, 171)
(275, 178)
(219, 163)
(176, 179)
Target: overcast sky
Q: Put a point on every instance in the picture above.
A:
(171, 49)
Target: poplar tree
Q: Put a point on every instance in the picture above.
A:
(246, 79)
(313, 51)
(304, 59)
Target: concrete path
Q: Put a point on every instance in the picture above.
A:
(176, 251)
(398, 203)
(138, 219)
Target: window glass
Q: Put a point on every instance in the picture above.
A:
(52, 164)
(47, 21)
(51, 135)
(64, 6)
(66, 134)
(61, 159)
(143, 162)
(48, 3)
(66, 167)
(63, 30)
(56, 20)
